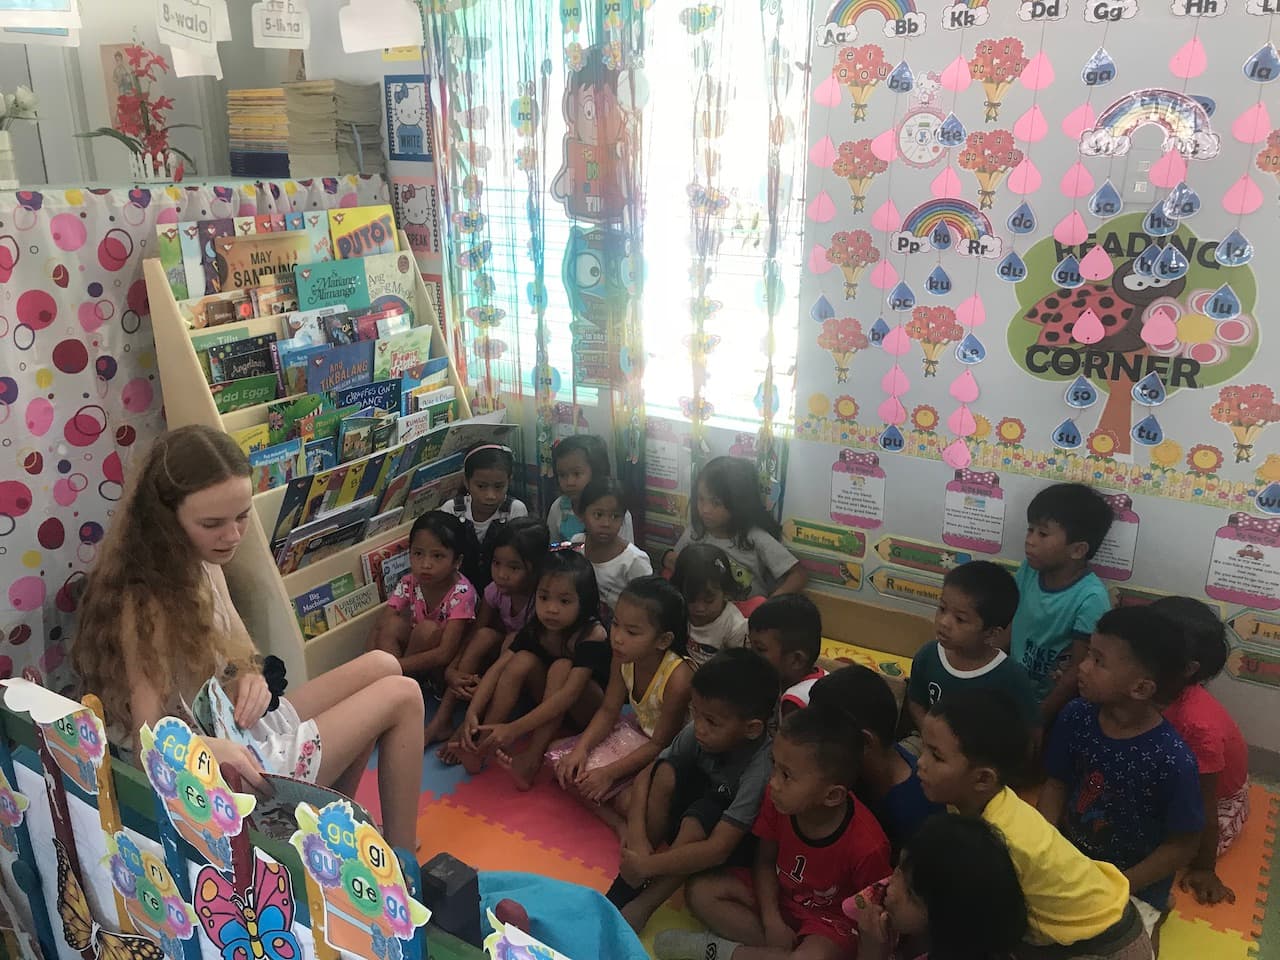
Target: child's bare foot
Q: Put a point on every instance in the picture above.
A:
(450, 753)
(523, 767)
(471, 761)
(440, 728)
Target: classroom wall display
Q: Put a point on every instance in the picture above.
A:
(408, 117)
(1036, 250)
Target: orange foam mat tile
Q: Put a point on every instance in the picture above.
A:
(1186, 939)
(1245, 868)
(444, 827)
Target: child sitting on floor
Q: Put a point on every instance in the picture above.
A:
(561, 659)
(704, 791)
(787, 631)
(485, 506)
(704, 575)
(578, 460)
(1076, 907)
(929, 908)
(432, 607)
(1122, 783)
(978, 601)
(517, 549)
(817, 847)
(1059, 598)
(729, 512)
(887, 780)
(1221, 753)
(650, 672)
(616, 560)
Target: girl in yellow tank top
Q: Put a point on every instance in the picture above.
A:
(649, 670)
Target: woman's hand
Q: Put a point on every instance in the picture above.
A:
(243, 762)
(252, 697)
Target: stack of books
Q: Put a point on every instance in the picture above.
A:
(335, 128)
(258, 132)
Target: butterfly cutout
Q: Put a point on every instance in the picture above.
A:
(252, 926)
(79, 930)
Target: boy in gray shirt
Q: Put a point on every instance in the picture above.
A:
(703, 792)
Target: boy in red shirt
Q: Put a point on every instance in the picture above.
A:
(1222, 756)
(817, 845)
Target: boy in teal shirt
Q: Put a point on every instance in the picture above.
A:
(1060, 599)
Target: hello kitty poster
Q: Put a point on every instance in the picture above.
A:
(418, 213)
(408, 117)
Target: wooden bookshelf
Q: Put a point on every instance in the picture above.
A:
(262, 596)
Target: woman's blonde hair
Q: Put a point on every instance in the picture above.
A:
(149, 569)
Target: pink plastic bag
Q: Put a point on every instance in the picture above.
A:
(624, 738)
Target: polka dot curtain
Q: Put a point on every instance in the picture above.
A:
(79, 391)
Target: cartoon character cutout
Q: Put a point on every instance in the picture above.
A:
(410, 109)
(415, 205)
(592, 183)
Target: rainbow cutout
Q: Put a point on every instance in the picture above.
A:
(964, 219)
(975, 4)
(845, 13)
(1184, 121)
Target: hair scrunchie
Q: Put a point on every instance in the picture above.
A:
(273, 671)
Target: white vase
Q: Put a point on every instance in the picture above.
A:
(8, 163)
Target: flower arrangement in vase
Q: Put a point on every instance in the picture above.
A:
(19, 105)
(141, 117)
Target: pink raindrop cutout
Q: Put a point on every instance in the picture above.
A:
(892, 411)
(822, 153)
(1077, 181)
(956, 76)
(886, 217)
(896, 342)
(1190, 60)
(1243, 197)
(1071, 229)
(965, 387)
(1024, 178)
(822, 209)
(885, 146)
(1031, 127)
(1038, 73)
(884, 276)
(1253, 125)
(1088, 328)
(1160, 327)
(956, 455)
(1079, 120)
(895, 382)
(1169, 171)
(972, 312)
(818, 262)
(1096, 265)
(946, 185)
(828, 93)
(961, 422)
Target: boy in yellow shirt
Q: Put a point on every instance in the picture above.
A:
(1076, 907)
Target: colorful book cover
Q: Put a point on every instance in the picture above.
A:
(321, 454)
(276, 465)
(238, 394)
(418, 213)
(355, 439)
(315, 224)
(192, 265)
(342, 585)
(323, 545)
(339, 367)
(432, 375)
(371, 561)
(408, 117)
(309, 609)
(358, 512)
(383, 522)
(372, 324)
(257, 437)
(393, 356)
(380, 394)
(415, 425)
(308, 325)
(294, 417)
(269, 223)
(208, 233)
(393, 570)
(205, 341)
(382, 282)
(216, 309)
(247, 262)
(384, 429)
(391, 324)
(295, 359)
(340, 329)
(169, 252)
(222, 355)
(346, 609)
(326, 424)
(396, 493)
(275, 299)
(429, 496)
(486, 428)
(374, 477)
(292, 505)
(363, 231)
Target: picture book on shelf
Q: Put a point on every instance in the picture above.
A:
(294, 417)
(295, 358)
(371, 561)
(169, 253)
(394, 569)
(321, 454)
(247, 262)
(306, 552)
(275, 299)
(345, 609)
(216, 309)
(340, 329)
(249, 439)
(238, 394)
(307, 326)
(339, 367)
(383, 522)
(309, 609)
(431, 495)
(315, 225)
(192, 267)
(276, 817)
(363, 231)
(355, 438)
(222, 357)
(393, 356)
(275, 466)
(327, 421)
(208, 232)
(383, 281)
(380, 394)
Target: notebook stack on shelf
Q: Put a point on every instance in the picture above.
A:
(335, 128)
(258, 133)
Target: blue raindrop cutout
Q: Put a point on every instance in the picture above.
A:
(1067, 273)
(1157, 223)
(1171, 264)
(1210, 105)
(1067, 435)
(1147, 431)
(902, 79)
(1234, 250)
(879, 330)
(1263, 66)
(1081, 394)
(822, 311)
(892, 440)
(1011, 269)
(1145, 264)
(938, 283)
(1150, 391)
(1099, 69)
(941, 237)
(1223, 303)
(1106, 201)
(1022, 220)
(970, 350)
(951, 133)
(1268, 501)
(1182, 202)
(901, 298)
